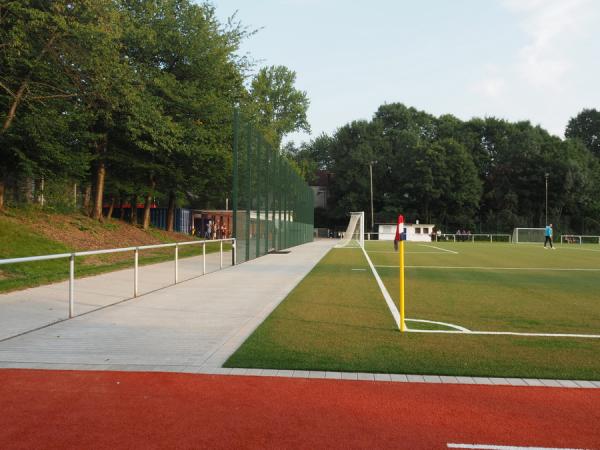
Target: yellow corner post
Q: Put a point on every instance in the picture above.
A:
(401, 252)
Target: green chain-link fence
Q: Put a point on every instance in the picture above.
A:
(272, 204)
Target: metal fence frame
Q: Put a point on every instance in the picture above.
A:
(136, 252)
(273, 206)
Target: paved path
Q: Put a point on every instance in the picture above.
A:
(29, 309)
(192, 326)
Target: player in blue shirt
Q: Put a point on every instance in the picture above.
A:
(548, 234)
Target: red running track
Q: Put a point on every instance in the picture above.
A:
(113, 410)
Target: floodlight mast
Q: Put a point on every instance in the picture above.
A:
(371, 178)
(546, 176)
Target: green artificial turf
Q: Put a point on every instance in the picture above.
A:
(336, 318)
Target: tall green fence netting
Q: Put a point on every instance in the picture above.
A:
(273, 207)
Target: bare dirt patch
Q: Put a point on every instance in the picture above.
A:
(79, 232)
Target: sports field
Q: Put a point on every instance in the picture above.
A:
(337, 317)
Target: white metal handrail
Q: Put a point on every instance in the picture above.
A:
(136, 251)
(472, 237)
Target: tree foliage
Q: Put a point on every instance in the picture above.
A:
(130, 98)
(482, 174)
(277, 105)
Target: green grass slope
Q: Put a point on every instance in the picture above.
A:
(33, 232)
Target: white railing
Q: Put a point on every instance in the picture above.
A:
(476, 237)
(579, 239)
(136, 252)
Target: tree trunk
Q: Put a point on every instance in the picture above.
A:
(12, 112)
(26, 190)
(100, 176)
(111, 208)
(1, 195)
(18, 98)
(87, 197)
(171, 212)
(133, 218)
(39, 187)
(147, 204)
(122, 211)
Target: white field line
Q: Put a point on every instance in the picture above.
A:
(384, 291)
(505, 447)
(421, 253)
(450, 325)
(360, 270)
(439, 248)
(551, 269)
(510, 333)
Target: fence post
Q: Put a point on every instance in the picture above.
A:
(204, 258)
(258, 187)
(221, 254)
(176, 263)
(71, 285)
(234, 193)
(248, 188)
(234, 251)
(135, 271)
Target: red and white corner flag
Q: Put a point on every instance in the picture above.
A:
(398, 227)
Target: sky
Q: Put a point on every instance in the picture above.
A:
(536, 60)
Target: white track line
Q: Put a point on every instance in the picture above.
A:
(550, 269)
(510, 333)
(505, 447)
(439, 248)
(384, 291)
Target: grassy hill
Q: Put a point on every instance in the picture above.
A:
(32, 232)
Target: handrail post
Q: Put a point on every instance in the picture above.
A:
(176, 262)
(136, 253)
(204, 258)
(221, 255)
(71, 285)
(234, 251)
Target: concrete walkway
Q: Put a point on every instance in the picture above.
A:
(192, 326)
(33, 308)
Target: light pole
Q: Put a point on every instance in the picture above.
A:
(371, 176)
(546, 176)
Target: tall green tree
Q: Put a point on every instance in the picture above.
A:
(279, 107)
(586, 127)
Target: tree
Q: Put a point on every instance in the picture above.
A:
(586, 127)
(278, 106)
(43, 48)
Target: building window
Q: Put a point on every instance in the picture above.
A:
(425, 230)
(417, 230)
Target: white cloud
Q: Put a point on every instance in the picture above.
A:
(552, 28)
(491, 87)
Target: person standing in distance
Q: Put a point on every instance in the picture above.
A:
(548, 234)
